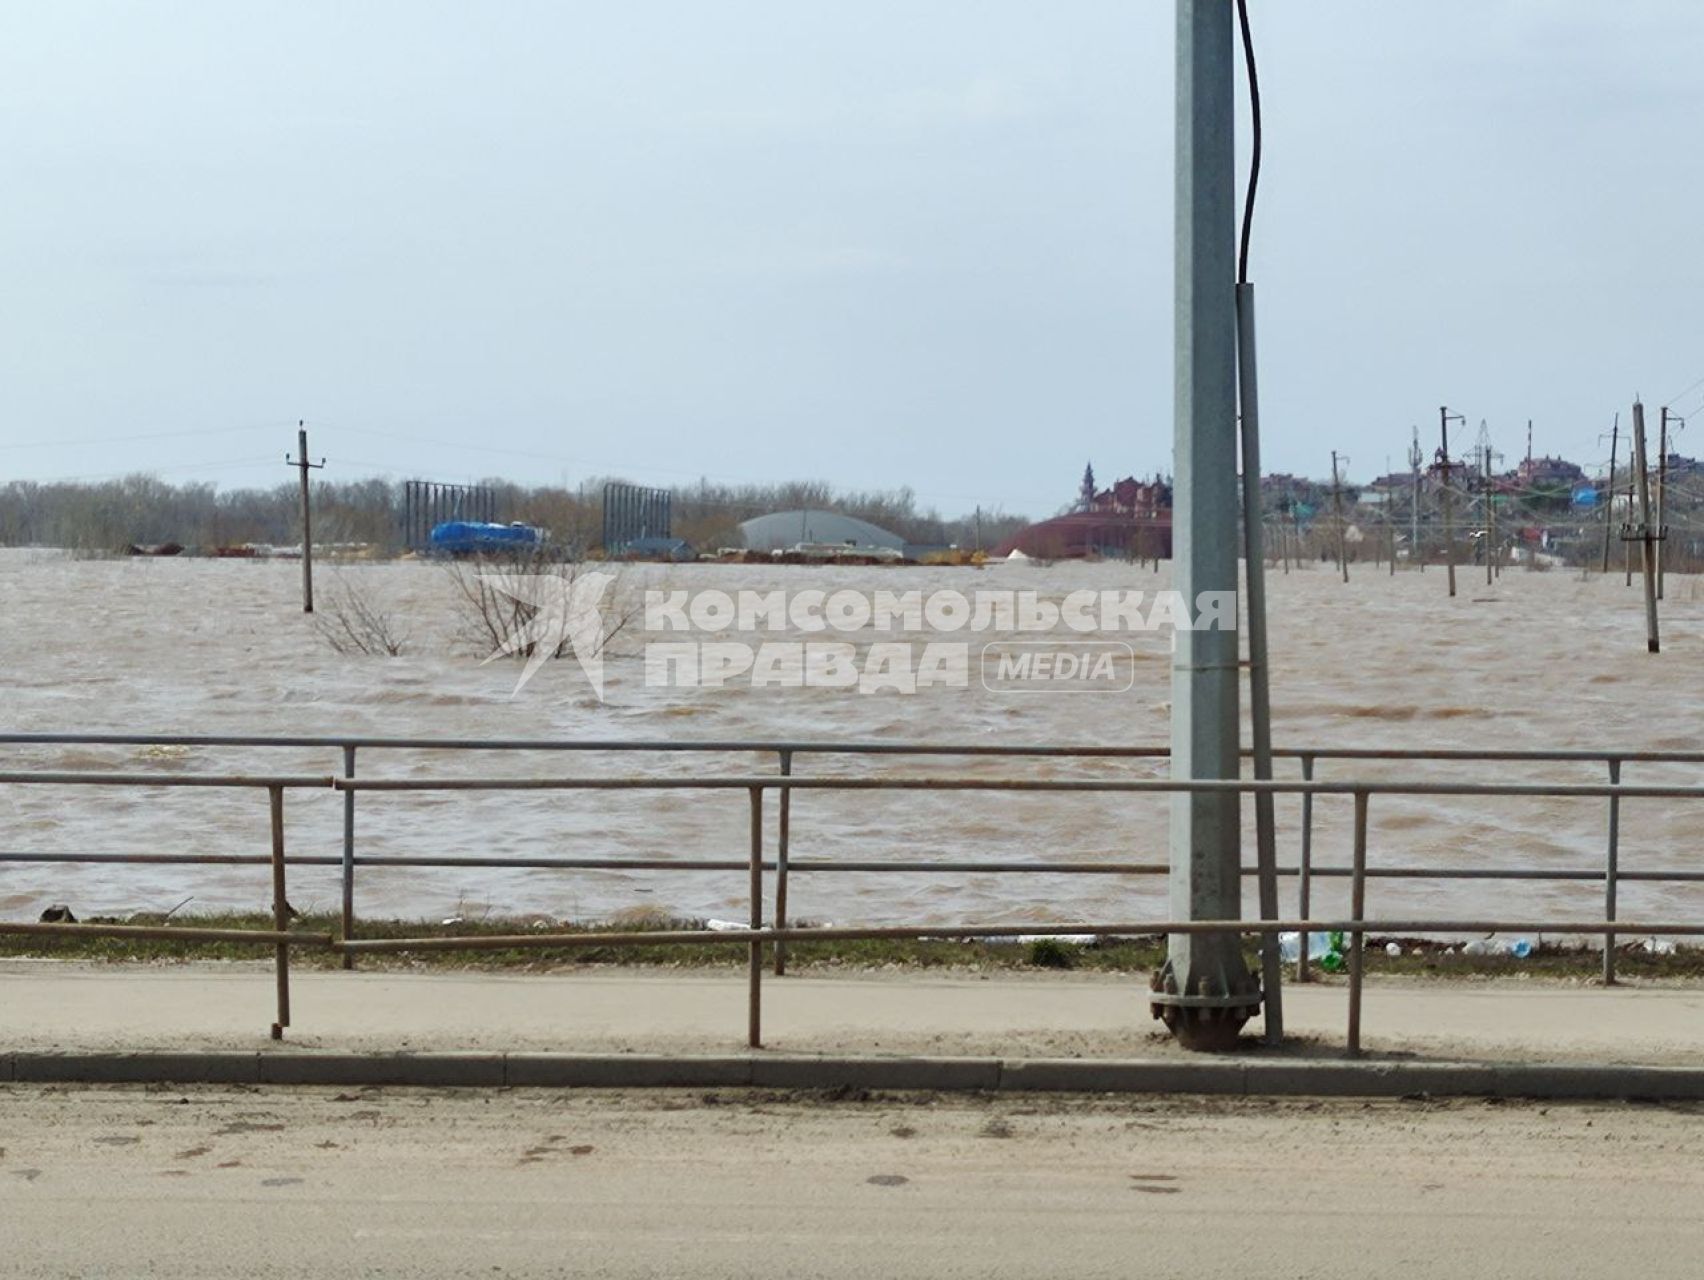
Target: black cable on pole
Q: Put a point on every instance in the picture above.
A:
(1254, 159)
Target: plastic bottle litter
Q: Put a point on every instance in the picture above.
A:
(1659, 946)
(1290, 946)
(1393, 949)
(1519, 948)
(1070, 939)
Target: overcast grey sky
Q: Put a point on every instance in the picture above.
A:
(878, 242)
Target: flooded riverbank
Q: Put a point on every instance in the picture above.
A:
(1540, 660)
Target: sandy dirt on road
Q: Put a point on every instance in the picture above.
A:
(210, 1182)
(52, 1006)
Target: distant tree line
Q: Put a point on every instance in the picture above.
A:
(143, 509)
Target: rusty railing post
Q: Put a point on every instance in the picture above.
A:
(348, 857)
(1611, 860)
(280, 911)
(786, 803)
(754, 1009)
(1304, 880)
(1357, 913)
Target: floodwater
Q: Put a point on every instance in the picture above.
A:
(1540, 660)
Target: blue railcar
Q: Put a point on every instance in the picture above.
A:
(474, 537)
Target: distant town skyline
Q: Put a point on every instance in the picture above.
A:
(877, 244)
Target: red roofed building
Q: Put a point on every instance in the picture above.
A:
(1131, 519)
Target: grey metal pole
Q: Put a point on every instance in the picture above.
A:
(1337, 516)
(1609, 500)
(1647, 544)
(1611, 861)
(1444, 416)
(1415, 458)
(1662, 489)
(1627, 532)
(1304, 880)
(348, 857)
(1259, 681)
(307, 526)
(1490, 519)
(1204, 992)
(1357, 911)
(300, 461)
(754, 962)
(781, 869)
(280, 912)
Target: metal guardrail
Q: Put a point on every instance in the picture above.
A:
(785, 783)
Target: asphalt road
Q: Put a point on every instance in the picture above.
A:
(318, 1182)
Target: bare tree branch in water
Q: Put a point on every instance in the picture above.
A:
(498, 616)
(352, 622)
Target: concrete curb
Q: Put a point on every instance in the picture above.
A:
(1250, 1077)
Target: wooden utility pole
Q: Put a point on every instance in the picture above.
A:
(1647, 535)
(1609, 490)
(1445, 417)
(1633, 469)
(1490, 518)
(1662, 491)
(301, 462)
(1337, 511)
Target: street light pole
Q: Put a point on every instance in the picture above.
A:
(1204, 992)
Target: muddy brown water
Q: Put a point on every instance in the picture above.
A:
(1541, 660)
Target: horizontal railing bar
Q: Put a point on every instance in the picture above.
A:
(416, 861)
(1160, 869)
(61, 778)
(816, 866)
(172, 933)
(267, 937)
(580, 744)
(796, 783)
(177, 859)
(825, 865)
(698, 937)
(1470, 873)
(808, 747)
(571, 864)
(774, 782)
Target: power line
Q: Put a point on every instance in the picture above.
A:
(146, 472)
(156, 435)
(1254, 154)
(1675, 399)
